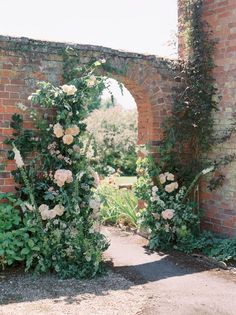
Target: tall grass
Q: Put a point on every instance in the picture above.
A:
(119, 206)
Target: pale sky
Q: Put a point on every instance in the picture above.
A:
(135, 25)
(145, 26)
(123, 98)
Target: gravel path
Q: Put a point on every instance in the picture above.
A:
(175, 284)
(138, 283)
(22, 294)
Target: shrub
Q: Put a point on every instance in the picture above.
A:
(14, 237)
(56, 181)
(171, 220)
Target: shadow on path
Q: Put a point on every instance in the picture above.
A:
(129, 259)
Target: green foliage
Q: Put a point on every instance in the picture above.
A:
(113, 134)
(171, 219)
(221, 249)
(58, 222)
(9, 215)
(22, 138)
(16, 241)
(189, 133)
(118, 206)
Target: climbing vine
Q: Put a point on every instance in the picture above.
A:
(189, 134)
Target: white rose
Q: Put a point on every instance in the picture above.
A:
(69, 89)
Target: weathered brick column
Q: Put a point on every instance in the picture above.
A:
(220, 206)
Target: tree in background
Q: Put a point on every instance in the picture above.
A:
(113, 137)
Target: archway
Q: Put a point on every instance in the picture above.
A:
(24, 62)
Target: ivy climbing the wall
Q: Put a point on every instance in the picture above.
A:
(169, 213)
(189, 134)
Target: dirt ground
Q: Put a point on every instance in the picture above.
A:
(21, 294)
(137, 283)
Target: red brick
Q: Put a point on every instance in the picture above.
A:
(13, 88)
(7, 189)
(4, 95)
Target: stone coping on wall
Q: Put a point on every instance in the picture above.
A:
(25, 44)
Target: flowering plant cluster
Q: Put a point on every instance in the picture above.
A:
(56, 190)
(170, 218)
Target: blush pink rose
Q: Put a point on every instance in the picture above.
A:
(168, 214)
(58, 130)
(68, 139)
(171, 187)
(63, 176)
(74, 130)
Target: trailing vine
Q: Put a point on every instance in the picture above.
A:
(189, 134)
(72, 68)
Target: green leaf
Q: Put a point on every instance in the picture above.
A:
(25, 251)
(31, 243)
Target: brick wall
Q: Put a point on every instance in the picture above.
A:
(23, 62)
(149, 79)
(220, 206)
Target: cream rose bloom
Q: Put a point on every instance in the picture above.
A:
(44, 215)
(176, 185)
(59, 210)
(58, 130)
(170, 177)
(68, 139)
(169, 188)
(43, 207)
(91, 81)
(74, 130)
(162, 178)
(63, 176)
(44, 211)
(18, 157)
(69, 89)
(168, 214)
(51, 214)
